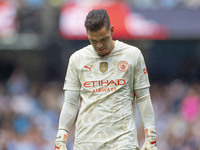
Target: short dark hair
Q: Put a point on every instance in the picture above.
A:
(96, 19)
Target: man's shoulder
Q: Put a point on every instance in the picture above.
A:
(81, 52)
(127, 48)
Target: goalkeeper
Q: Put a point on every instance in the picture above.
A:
(111, 79)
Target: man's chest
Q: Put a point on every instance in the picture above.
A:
(104, 73)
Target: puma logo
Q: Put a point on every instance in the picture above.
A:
(90, 68)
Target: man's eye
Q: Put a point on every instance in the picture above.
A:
(104, 39)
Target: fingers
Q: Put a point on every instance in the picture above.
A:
(56, 147)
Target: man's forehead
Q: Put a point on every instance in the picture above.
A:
(98, 35)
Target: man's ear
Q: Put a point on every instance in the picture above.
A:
(112, 29)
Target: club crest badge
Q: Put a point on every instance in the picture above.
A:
(123, 66)
(103, 67)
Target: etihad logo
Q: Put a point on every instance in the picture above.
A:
(103, 90)
(103, 67)
(103, 86)
(101, 83)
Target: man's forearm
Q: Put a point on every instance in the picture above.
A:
(69, 110)
(145, 107)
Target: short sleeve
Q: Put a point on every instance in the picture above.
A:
(72, 81)
(141, 79)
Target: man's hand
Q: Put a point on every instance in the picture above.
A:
(61, 138)
(150, 139)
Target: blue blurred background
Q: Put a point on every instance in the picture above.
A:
(38, 36)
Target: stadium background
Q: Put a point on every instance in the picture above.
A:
(34, 52)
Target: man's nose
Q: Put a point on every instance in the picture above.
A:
(99, 45)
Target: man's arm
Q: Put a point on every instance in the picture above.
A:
(146, 112)
(67, 117)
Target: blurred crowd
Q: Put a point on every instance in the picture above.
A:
(39, 15)
(29, 114)
(42, 16)
(177, 113)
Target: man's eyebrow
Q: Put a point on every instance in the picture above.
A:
(104, 38)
